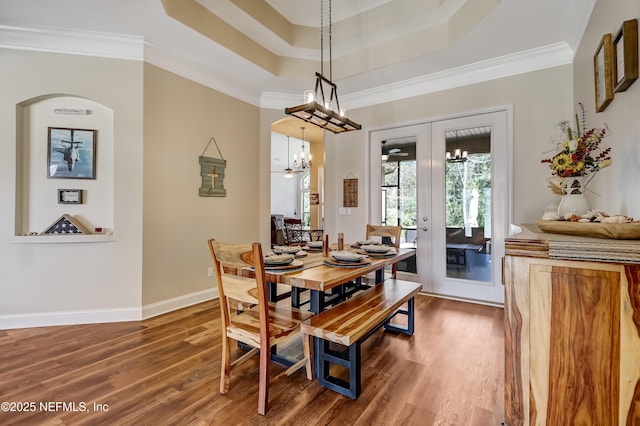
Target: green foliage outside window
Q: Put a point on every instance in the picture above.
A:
(461, 179)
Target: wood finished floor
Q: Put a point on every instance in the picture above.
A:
(166, 370)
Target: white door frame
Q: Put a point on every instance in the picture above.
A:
(431, 137)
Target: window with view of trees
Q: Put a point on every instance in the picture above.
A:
(468, 195)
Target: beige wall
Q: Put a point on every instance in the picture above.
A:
(180, 117)
(615, 190)
(162, 123)
(69, 282)
(539, 100)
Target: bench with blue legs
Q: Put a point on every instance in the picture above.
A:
(339, 332)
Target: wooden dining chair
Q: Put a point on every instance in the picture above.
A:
(261, 324)
(384, 232)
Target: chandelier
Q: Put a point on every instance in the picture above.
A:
(319, 109)
(302, 164)
(457, 156)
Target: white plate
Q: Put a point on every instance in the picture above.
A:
(347, 256)
(366, 242)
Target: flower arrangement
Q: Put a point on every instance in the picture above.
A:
(581, 154)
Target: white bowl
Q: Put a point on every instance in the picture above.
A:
(314, 244)
(286, 249)
(366, 242)
(347, 256)
(278, 259)
(375, 248)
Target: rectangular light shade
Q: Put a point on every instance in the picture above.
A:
(317, 114)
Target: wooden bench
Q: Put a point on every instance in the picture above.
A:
(349, 324)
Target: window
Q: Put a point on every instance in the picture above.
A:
(305, 205)
(399, 195)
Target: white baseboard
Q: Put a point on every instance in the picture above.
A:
(159, 308)
(49, 319)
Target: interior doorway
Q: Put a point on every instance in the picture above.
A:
(297, 178)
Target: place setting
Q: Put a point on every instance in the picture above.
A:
(347, 259)
(377, 250)
(359, 244)
(282, 262)
(313, 246)
(297, 251)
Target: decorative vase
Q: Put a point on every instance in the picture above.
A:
(574, 201)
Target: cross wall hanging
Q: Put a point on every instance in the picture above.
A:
(212, 173)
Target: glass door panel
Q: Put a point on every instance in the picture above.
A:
(472, 180)
(468, 203)
(402, 179)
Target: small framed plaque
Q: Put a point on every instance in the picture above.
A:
(69, 196)
(603, 73)
(625, 51)
(350, 192)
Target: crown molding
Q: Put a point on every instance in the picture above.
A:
(76, 42)
(135, 48)
(107, 45)
(550, 56)
(493, 69)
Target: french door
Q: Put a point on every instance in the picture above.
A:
(447, 184)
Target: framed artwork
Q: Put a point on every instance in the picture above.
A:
(350, 193)
(69, 196)
(625, 51)
(603, 73)
(71, 153)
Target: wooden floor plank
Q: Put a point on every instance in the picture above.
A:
(166, 370)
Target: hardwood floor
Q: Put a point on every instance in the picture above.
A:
(166, 371)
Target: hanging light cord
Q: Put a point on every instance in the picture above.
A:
(322, 40)
(330, 43)
(322, 37)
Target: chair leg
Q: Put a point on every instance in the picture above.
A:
(263, 386)
(225, 369)
(307, 347)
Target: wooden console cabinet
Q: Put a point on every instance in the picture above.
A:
(572, 342)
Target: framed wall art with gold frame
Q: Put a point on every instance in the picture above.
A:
(625, 51)
(603, 73)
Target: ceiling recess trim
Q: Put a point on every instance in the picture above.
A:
(550, 56)
(134, 48)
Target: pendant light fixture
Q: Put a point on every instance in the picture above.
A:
(457, 156)
(288, 172)
(318, 109)
(302, 164)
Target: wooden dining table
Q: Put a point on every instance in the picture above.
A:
(320, 278)
(317, 277)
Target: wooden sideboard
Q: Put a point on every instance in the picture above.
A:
(572, 330)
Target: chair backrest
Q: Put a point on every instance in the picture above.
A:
(384, 232)
(249, 290)
(278, 232)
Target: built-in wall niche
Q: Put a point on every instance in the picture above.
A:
(72, 134)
